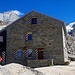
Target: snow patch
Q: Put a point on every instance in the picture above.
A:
(69, 27)
(10, 16)
(17, 69)
(18, 12)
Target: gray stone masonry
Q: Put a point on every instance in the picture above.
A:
(46, 34)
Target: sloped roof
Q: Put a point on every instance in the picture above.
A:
(63, 24)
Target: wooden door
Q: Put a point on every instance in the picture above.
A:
(40, 53)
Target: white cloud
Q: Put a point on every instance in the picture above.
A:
(18, 12)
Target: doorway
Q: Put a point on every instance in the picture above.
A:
(40, 53)
(3, 36)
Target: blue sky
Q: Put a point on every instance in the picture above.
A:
(61, 9)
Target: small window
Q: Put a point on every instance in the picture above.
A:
(1, 38)
(28, 36)
(34, 21)
(29, 53)
(19, 54)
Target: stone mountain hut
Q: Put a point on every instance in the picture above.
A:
(34, 40)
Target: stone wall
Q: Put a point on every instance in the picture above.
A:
(39, 63)
(47, 34)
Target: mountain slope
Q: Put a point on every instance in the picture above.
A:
(9, 16)
(71, 28)
(71, 38)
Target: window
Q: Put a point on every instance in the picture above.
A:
(19, 54)
(34, 21)
(29, 53)
(1, 38)
(28, 36)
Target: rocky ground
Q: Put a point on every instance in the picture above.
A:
(17, 69)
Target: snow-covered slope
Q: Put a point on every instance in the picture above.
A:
(17, 69)
(69, 27)
(9, 16)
